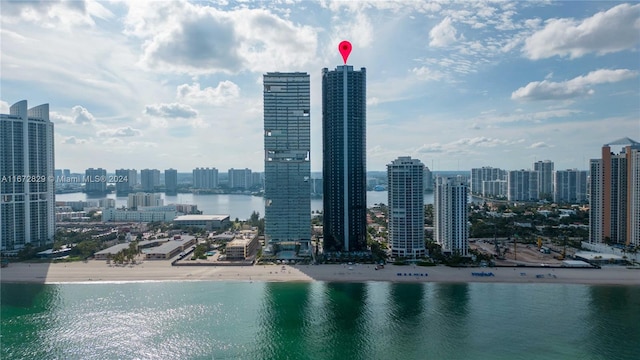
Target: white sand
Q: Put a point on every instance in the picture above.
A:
(95, 271)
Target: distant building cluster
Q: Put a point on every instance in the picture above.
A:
(541, 183)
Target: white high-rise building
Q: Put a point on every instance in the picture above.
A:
(544, 170)
(287, 167)
(522, 185)
(240, 178)
(141, 199)
(486, 173)
(27, 195)
(570, 186)
(494, 188)
(450, 211)
(405, 179)
(205, 178)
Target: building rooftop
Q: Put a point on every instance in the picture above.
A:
(201, 218)
(623, 141)
(168, 246)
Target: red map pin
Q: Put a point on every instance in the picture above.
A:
(345, 50)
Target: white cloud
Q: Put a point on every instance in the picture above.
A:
(195, 39)
(113, 142)
(372, 101)
(79, 116)
(225, 92)
(119, 132)
(465, 145)
(443, 34)
(55, 14)
(358, 29)
(4, 107)
(538, 145)
(174, 110)
(72, 140)
(576, 87)
(82, 116)
(424, 73)
(608, 31)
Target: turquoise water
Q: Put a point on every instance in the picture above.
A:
(244, 320)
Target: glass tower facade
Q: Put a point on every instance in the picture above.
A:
(287, 167)
(344, 171)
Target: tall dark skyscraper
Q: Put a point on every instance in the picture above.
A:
(344, 170)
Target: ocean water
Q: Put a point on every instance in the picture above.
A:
(374, 320)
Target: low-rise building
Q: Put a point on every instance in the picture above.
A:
(207, 222)
(170, 248)
(243, 246)
(148, 214)
(111, 251)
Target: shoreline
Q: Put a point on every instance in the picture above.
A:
(97, 271)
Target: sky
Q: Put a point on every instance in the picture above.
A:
(176, 84)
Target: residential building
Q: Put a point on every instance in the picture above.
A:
(428, 180)
(570, 186)
(257, 180)
(142, 214)
(95, 181)
(405, 179)
(544, 170)
(243, 246)
(240, 179)
(207, 222)
(522, 185)
(27, 191)
(149, 179)
(205, 178)
(494, 188)
(287, 167)
(171, 181)
(485, 173)
(450, 212)
(125, 180)
(615, 194)
(141, 199)
(344, 170)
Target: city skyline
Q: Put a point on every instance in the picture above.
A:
(177, 99)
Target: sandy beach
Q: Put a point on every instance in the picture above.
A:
(99, 271)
